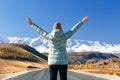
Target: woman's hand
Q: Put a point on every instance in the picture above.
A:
(85, 19)
(29, 21)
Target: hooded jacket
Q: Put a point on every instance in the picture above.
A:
(57, 40)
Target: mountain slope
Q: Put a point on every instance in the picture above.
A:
(1, 41)
(41, 45)
(88, 57)
(19, 52)
(31, 50)
(16, 58)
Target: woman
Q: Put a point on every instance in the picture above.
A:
(57, 59)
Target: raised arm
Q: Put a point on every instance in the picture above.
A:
(38, 29)
(79, 24)
(76, 27)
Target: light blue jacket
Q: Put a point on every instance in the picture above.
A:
(57, 42)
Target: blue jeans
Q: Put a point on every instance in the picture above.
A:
(54, 70)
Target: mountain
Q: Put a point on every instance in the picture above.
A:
(115, 61)
(1, 40)
(117, 54)
(20, 57)
(88, 57)
(20, 52)
(31, 50)
(41, 45)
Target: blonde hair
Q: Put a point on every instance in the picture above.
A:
(57, 25)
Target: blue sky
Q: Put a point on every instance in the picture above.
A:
(103, 24)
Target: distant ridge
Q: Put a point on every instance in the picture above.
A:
(89, 57)
(32, 50)
(20, 52)
(1, 41)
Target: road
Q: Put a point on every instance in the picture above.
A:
(44, 75)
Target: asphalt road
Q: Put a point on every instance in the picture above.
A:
(44, 75)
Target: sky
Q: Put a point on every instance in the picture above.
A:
(103, 24)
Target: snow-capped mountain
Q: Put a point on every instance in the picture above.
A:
(1, 40)
(41, 45)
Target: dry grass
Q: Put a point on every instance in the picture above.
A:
(9, 51)
(110, 69)
(110, 66)
(13, 66)
(14, 58)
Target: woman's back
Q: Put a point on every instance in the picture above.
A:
(57, 44)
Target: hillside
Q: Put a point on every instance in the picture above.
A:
(20, 57)
(95, 62)
(88, 57)
(20, 52)
(112, 61)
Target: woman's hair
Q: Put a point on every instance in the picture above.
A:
(57, 25)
